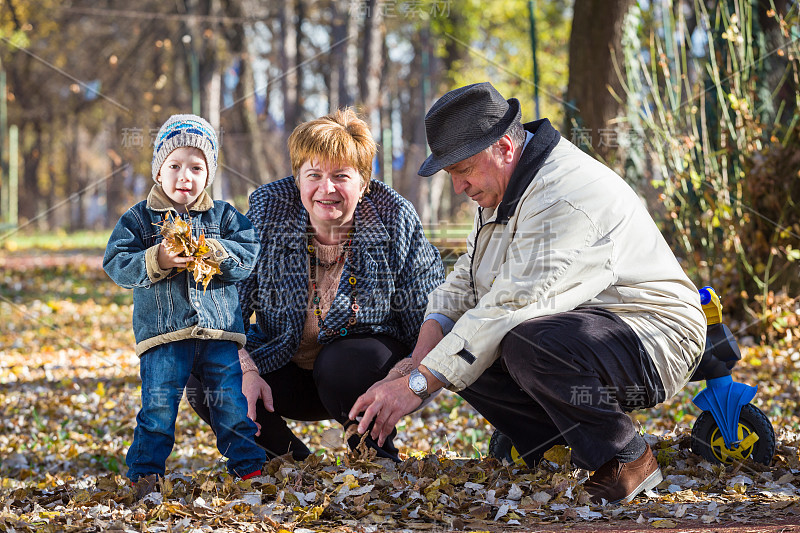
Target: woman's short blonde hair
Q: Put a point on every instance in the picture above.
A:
(341, 138)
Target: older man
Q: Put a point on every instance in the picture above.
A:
(568, 308)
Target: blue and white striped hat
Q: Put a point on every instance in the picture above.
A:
(186, 130)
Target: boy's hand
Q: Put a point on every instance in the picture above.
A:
(167, 259)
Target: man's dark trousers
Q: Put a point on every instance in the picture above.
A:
(568, 378)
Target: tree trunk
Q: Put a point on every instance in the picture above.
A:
(211, 112)
(116, 193)
(246, 108)
(447, 204)
(261, 172)
(76, 179)
(596, 34)
(349, 79)
(344, 56)
(300, 14)
(385, 135)
(336, 54)
(51, 220)
(30, 194)
(372, 63)
(205, 41)
(455, 53)
(288, 63)
(410, 184)
(385, 107)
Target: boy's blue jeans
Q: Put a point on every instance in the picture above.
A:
(164, 371)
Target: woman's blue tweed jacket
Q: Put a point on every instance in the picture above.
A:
(394, 264)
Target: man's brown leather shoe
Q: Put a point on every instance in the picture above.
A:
(618, 482)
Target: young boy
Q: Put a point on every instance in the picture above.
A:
(180, 326)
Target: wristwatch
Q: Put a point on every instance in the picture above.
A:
(418, 384)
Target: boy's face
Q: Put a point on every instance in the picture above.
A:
(183, 177)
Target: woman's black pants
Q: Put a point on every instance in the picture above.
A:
(344, 370)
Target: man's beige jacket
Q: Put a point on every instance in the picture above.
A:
(579, 237)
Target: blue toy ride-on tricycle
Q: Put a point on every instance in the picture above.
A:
(730, 429)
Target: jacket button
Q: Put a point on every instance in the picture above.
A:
(156, 275)
(219, 253)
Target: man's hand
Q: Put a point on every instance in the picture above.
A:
(168, 259)
(253, 388)
(390, 377)
(386, 402)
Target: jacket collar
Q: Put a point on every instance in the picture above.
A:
(369, 226)
(158, 200)
(545, 138)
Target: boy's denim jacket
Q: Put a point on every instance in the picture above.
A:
(168, 305)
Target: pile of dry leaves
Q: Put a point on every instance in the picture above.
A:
(69, 394)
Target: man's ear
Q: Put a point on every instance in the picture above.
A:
(506, 146)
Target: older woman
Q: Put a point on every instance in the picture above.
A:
(339, 290)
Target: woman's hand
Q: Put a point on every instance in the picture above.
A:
(167, 259)
(253, 388)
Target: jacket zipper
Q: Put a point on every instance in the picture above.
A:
(472, 257)
(186, 217)
(475, 251)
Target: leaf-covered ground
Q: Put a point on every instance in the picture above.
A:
(69, 392)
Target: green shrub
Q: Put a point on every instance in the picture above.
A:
(720, 136)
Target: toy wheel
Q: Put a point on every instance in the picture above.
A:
(755, 434)
(501, 448)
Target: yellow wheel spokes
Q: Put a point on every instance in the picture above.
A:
(515, 457)
(742, 450)
(749, 442)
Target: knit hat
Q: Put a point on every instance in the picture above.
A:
(186, 130)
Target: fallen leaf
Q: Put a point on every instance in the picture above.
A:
(664, 523)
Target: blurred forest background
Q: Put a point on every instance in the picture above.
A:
(694, 102)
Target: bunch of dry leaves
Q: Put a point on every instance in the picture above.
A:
(178, 239)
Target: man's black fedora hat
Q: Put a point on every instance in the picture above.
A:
(464, 122)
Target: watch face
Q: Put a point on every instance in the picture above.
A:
(418, 383)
